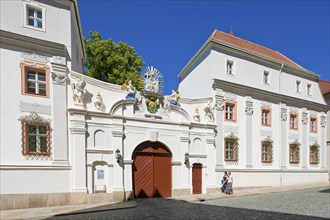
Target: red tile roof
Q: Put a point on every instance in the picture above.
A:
(325, 86)
(252, 47)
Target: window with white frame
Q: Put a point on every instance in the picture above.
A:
(294, 121)
(266, 117)
(36, 82)
(230, 111)
(34, 15)
(313, 124)
(230, 67)
(309, 89)
(266, 78)
(298, 86)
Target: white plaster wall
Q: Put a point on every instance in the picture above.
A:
(197, 83)
(34, 181)
(57, 25)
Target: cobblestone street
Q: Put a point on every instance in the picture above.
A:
(302, 204)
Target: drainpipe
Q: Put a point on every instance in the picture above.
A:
(280, 137)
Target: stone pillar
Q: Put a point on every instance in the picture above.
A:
(59, 112)
(78, 143)
(90, 177)
(185, 168)
(219, 107)
(118, 166)
(323, 154)
(283, 132)
(248, 129)
(128, 178)
(304, 144)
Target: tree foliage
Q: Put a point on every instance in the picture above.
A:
(111, 62)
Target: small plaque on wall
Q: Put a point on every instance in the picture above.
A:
(100, 188)
(100, 174)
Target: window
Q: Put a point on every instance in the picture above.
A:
(34, 15)
(313, 124)
(298, 89)
(309, 89)
(294, 153)
(294, 121)
(265, 116)
(230, 149)
(230, 111)
(266, 77)
(314, 155)
(35, 81)
(36, 138)
(266, 152)
(230, 67)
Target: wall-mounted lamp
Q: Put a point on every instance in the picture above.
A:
(186, 158)
(117, 155)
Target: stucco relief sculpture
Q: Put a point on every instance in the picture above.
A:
(249, 108)
(130, 89)
(323, 121)
(304, 118)
(196, 116)
(79, 90)
(99, 105)
(59, 78)
(152, 104)
(284, 115)
(208, 112)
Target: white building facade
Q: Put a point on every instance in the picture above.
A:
(70, 139)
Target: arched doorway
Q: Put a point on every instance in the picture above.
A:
(197, 178)
(152, 170)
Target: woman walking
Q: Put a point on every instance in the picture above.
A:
(229, 187)
(223, 182)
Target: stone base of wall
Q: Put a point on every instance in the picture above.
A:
(24, 201)
(180, 192)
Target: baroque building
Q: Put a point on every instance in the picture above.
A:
(70, 139)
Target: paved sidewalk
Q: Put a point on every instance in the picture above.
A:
(46, 212)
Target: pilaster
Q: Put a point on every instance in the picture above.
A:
(185, 168)
(59, 110)
(305, 146)
(118, 163)
(323, 154)
(248, 129)
(283, 132)
(219, 107)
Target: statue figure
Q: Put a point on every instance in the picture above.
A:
(196, 116)
(99, 105)
(175, 97)
(208, 112)
(79, 90)
(151, 83)
(130, 89)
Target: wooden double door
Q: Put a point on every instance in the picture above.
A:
(152, 170)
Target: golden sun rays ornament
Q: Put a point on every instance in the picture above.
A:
(153, 80)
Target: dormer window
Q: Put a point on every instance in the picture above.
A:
(266, 78)
(309, 89)
(230, 67)
(298, 83)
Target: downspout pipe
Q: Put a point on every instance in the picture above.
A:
(280, 138)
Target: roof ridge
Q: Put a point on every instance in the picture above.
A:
(290, 60)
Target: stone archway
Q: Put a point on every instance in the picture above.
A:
(152, 170)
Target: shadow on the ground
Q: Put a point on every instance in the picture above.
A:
(325, 191)
(160, 208)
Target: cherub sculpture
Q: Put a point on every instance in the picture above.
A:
(130, 89)
(99, 105)
(79, 90)
(175, 96)
(196, 116)
(208, 112)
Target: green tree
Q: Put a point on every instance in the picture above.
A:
(112, 62)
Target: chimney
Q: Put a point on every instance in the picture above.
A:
(231, 33)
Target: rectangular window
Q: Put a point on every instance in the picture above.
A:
(266, 152)
(266, 77)
(36, 138)
(230, 111)
(313, 124)
(314, 155)
(294, 153)
(266, 117)
(230, 150)
(35, 81)
(230, 67)
(34, 15)
(309, 89)
(298, 89)
(294, 121)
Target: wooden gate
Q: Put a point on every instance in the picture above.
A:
(197, 178)
(152, 170)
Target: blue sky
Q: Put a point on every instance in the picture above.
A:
(168, 33)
